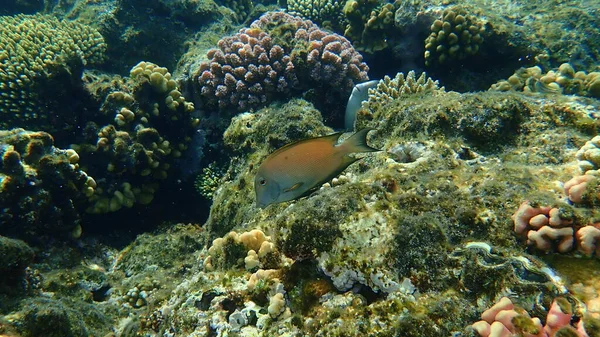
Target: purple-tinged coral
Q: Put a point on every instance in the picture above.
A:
(278, 56)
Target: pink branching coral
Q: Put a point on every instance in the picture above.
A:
(278, 56)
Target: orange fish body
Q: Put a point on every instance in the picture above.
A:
(296, 169)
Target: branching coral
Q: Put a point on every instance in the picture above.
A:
(389, 89)
(279, 55)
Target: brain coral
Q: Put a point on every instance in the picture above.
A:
(279, 55)
(40, 185)
(40, 56)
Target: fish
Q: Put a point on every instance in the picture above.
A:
(297, 169)
(360, 93)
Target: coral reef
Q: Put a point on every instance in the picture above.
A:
(40, 67)
(481, 206)
(456, 35)
(149, 124)
(41, 187)
(279, 55)
(134, 30)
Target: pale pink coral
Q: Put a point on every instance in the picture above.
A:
(273, 69)
(498, 320)
(588, 238)
(576, 187)
(543, 238)
(556, 319)
(544, 227)
(525, 213)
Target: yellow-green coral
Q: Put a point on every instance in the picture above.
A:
(35, 48)
(209, 180)
(454, 36)
(369, 23)
(325, 13)
(563, 80)
(152, 125)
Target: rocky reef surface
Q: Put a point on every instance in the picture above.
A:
(478, 217)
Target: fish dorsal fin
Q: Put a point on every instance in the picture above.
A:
(295, 186)
(333, 138)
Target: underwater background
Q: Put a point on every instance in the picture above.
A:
(131, 132)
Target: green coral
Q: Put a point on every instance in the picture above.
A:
(456, 35)
(149, 126)
(40, 59)
(369, 22)
(209, 180)
(325, 13)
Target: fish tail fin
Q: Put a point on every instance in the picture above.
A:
(358, 142)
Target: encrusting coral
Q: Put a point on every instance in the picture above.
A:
(40, 59)
(563, 80)
(149, 126)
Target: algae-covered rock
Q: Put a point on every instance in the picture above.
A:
(14, 255)
(41, 186)
(399, 226)
(56, 318)
(251, 137)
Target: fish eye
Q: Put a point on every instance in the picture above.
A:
(262, 181)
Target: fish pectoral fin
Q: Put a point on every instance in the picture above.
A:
(294, 187)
